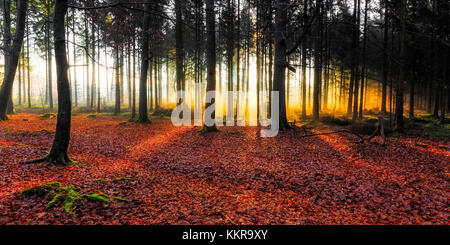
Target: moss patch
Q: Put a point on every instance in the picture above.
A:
(42, 190)
(49, 115)
(122, 179)
(66, 196)
(96, 197)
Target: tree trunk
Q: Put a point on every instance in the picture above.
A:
(385, 58)
(117, 80)
(143, 114)
(356, 64)
(93, 67)
(279, 77)
(211, 58)
(133, 108)
(363, 71)
(58, 153)
(317, 67)
(399, 123)
(179, 49)
(12, 55)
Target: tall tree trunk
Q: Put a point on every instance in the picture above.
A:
(363, 70)
(317, 66)
(143, 114)
(211, 59)
(279, 77)
(58, 153)
(238, 56)
(129, 75)
(230, 54)
(28, 64)
(86, 33)
(19, 66)
(179, 49)
(93, 66)
(75, 82)
(117, 80)
(49, 59)
(356, 64)
(303, 77)
(12, 54)
(385, 57)
(399, 123)
(133, 108)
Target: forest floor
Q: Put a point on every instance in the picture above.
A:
(171, 175)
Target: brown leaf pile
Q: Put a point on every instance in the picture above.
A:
(181, 176)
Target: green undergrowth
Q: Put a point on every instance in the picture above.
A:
(29, 133)
(57, 194)
(118, 179)
(432, 127)
(48, 115)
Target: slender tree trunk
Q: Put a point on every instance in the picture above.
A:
(49, 59)
(303, 77)
(28, 64)
(385, 58)
(86, 33)
(75, 82)
(93, 66)
(363, 71)
(356, 64)
(133, 109)
(19, 90)
(179, 4)
(117, 80)
(399, 124)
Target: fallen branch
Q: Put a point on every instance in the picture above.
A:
(379, 130)
(334, 132)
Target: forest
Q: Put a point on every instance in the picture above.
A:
(356, 90)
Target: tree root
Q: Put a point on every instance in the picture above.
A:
(207, 129)
(61, 160)
(147, 121)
